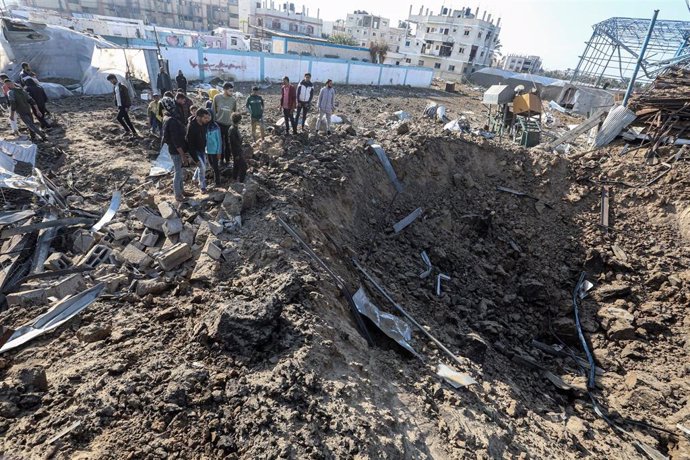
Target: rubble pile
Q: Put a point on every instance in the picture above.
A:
(216, 336)
(663, 109)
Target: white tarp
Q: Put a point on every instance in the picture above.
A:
(55, 91)
(18, 151)
(127, 60)
(163, 164)
(95, 82)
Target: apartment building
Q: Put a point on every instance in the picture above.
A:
(265, 17)
(366, 28)
(452, 42)
(183, 14)
(521, 64)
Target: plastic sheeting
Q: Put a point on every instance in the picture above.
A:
(55, 91)
(394, 327)
(52, 51)
(163, 164)
(18, 151)
(95, 82)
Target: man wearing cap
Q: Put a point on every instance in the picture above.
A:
(224, 105)
(255, 106)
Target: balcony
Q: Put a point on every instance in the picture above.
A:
(437, 37)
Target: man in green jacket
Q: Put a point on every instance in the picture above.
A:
(224, 105)
(255, 105)
(21, 104)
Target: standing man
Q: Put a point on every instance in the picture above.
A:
(174, 136)
(196, 143)
(326, 105)
(224, 105)
(255, 105)
(305, 93)
(288, 101)
(239, 164)
(123, 103)
(40, 97)
(27, 74)
(21, 104)
(154, 115)
(164, 82)
(184, 106)
(181, 81)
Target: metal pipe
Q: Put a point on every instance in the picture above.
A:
(407, 315)
(640, 58)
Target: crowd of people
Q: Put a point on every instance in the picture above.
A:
(209, 135)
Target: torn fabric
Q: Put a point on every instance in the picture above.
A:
(62, 312)
(394, 327)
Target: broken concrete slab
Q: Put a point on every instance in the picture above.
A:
(148, 238)
(113, 281)
(166, 210)
(150, 219)
(615, 290)
(68, 286)
(187, 234)
(172, 226)
(57, 261)
(215, 227)
(118, 231)
(249, 193)
(174, 256)
(28, 298)
(231, 205)
(135, 256)
(213, 248)
(82, 241)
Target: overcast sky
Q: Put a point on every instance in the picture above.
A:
(553, 29)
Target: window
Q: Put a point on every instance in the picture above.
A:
(275, 24)
(451, 68)
(310, 30)
(420, 63)
(258, 4)
(461, 50)
(408, 60)
(233, 41)
(293, 27)
(479, 35)
(445, 31)
(437, 65)
(481, 54)
(455, 29)
(373, 34)
(407, 43)
(467, 32)
(437, 47)
(397, 62)
(428, 30)
(260, 22)
(488, 35)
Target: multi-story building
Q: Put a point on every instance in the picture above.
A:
(521, 64)
(452, 42)
(184, 14)
(264, 17)
(366, 28)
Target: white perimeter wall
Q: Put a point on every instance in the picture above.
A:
(251, 66)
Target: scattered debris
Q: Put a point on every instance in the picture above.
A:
(454, 378)
(403, 223)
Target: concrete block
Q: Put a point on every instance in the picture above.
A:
(215, 227)
(149, 218)
(30, 298)
(97, 255)
(206, 268)
(167, 210)
(57, 261)
(153, 286)
(118, 231)
(213, 248)
(113, 281)
(172, 226)
(148, 238)
(68, 286)
(231, 205)
(83, 241)
(135, 256)
(173, 257)
(187, 234)
(203, 233)
(251, 188)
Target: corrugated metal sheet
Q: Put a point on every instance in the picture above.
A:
(618, 118)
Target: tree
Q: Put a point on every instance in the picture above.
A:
(341, 39)
(382, 51)
(373, 51)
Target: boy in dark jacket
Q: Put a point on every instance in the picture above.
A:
(305, 93)
(239, 165)
(196, 142)
(123, 103)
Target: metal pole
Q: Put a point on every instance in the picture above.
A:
(384, 293)
(631, 85)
